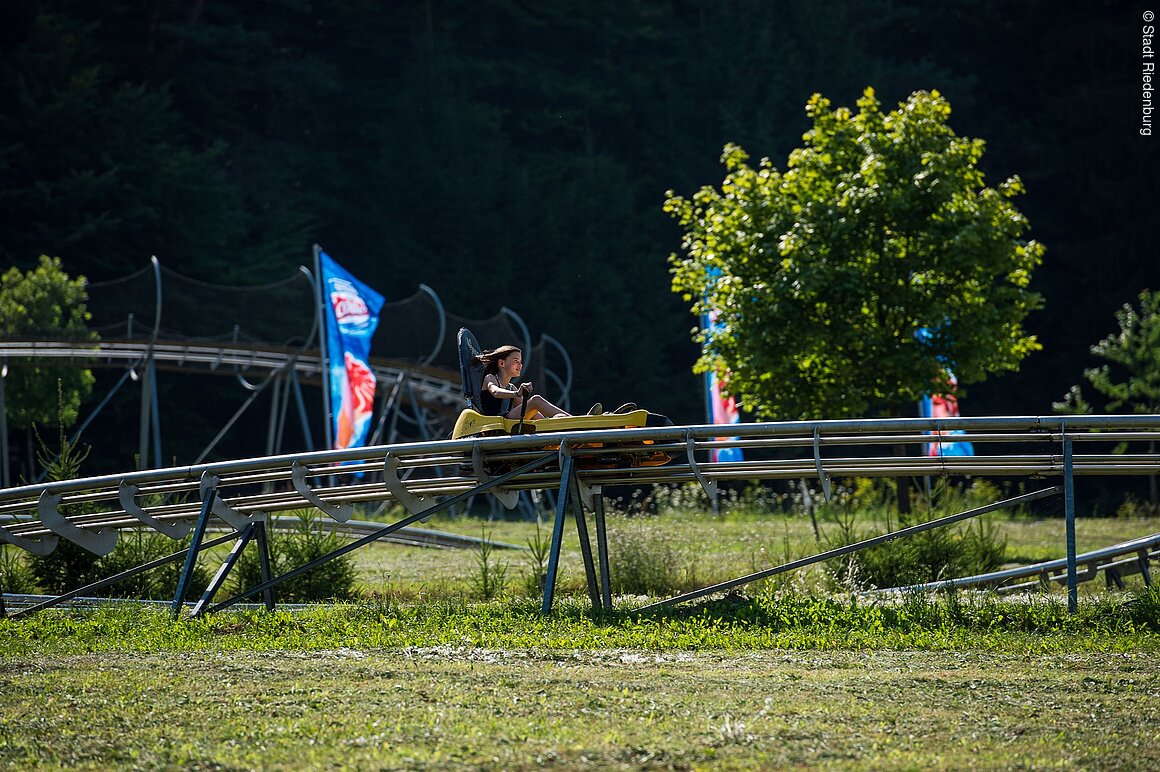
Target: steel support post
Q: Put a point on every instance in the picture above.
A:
(194, 549)
(272, 427)
(146, 411)
(387, 530)
(1069, 516)
(562, 499)
(302, 415)
(261, 539)
(585, 547)
(602, 547)
(227, 565)
(155, 410)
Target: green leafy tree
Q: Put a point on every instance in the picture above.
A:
(1129, 379)
(44, 303)
(824, 276)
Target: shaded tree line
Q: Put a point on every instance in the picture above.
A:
(518, 153)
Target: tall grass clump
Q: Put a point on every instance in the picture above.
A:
(645, 559)
(973, 547)
(15, 574)
(536, 576)
(490, 577)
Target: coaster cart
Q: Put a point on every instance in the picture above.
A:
(473, 423)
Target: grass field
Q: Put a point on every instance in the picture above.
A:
(421, 674)
(452, 708)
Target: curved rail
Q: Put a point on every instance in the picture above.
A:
(1112, 560)
(223, 359)
(416, 475)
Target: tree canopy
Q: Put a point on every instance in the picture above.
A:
(44, 302)
(514, 153)
(848, 283)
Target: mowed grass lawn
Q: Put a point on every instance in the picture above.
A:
(450, 708)
(422, 675)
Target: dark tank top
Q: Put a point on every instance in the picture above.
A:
(490, 404)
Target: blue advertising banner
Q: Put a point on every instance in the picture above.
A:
(351, 316)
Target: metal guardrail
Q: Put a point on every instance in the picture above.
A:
(1111, 560)
(414, 473)
(424, 477)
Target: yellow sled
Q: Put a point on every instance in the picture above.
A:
(472, 423)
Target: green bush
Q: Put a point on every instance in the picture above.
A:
(928, 556)
(139, 547)
(289, 549)
(15, 574)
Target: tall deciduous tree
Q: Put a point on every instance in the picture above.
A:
(845, 285)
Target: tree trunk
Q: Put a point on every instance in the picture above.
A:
(1152, 493)
(808, 503)
(903, 485)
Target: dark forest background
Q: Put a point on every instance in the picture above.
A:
(518, 153)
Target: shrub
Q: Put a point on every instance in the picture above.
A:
(15, 574)
(491, 577)
(928, 556)
(140, 547)
(289, 549)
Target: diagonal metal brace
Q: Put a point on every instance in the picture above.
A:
(234, 518)
(339, 512)
(127, 495)
(255, 532)
(97, 542)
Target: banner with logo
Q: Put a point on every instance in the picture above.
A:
(351, 314)
(722, 408)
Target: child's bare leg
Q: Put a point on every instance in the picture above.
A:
(546, 408)
(537, 405)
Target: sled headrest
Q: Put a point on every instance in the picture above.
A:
(470, 372)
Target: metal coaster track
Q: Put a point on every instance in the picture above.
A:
(224, 359)
(424, 477)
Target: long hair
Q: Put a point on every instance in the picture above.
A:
(490, 359)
